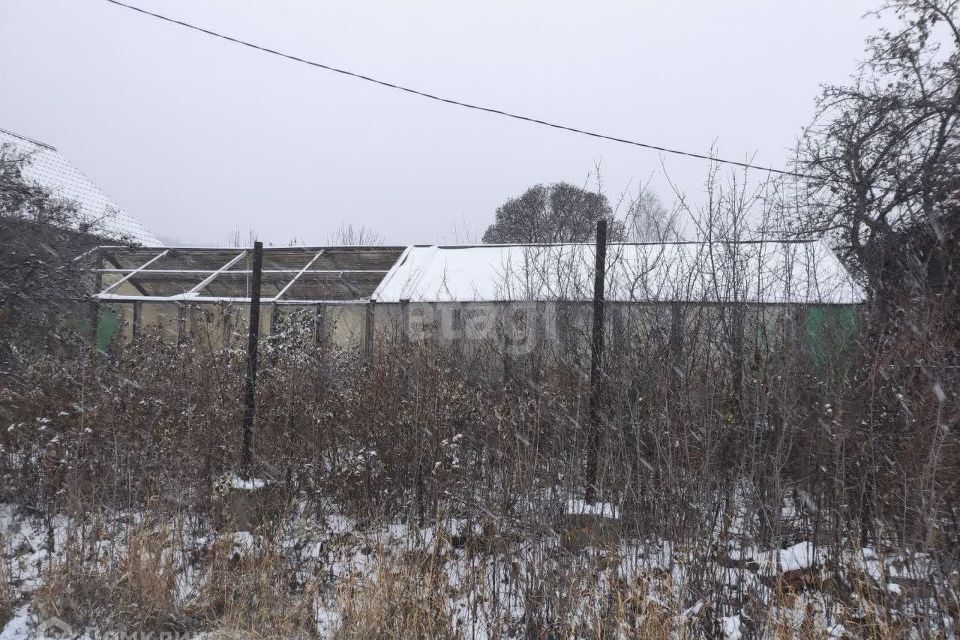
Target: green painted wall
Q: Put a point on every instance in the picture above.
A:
(831, 334)
(108, 324)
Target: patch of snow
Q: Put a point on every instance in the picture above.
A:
(253, 484)
(799, 556)
(581, 507)
(327, 622)
(692, 612)
(339, 524)
(462, 527)
(874, 569)
(731, 627)
(18, 628)
(242, 540)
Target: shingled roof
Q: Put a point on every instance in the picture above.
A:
(48, 168)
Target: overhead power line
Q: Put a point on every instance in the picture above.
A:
(458, 103)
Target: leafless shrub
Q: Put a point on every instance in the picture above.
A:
(41, 282)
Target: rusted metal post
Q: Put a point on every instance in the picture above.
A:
(181, 323)
(253, 338)
(94, 310)
(595, 436)
(405, 322)
(369, 331)
(137, 320)
(319, 326)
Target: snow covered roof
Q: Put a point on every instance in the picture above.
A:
(768, 272)
(47, 167)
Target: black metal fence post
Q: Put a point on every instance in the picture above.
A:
(595, 437)
(253, 338)
(94, 310)
(369, 331)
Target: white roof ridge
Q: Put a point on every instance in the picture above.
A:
(28, 139)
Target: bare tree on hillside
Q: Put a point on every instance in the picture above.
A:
(884, 152)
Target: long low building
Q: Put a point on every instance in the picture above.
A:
(517, 296)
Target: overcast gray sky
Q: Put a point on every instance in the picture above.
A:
(198, 137)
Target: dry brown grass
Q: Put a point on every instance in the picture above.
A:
(246, 593)
(407, 598)
(131, 588)
(6, 588)
(147, 583)
(238, 592)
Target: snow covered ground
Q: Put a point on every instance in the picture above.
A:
(481, 583)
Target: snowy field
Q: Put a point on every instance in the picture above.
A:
(457, 577)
